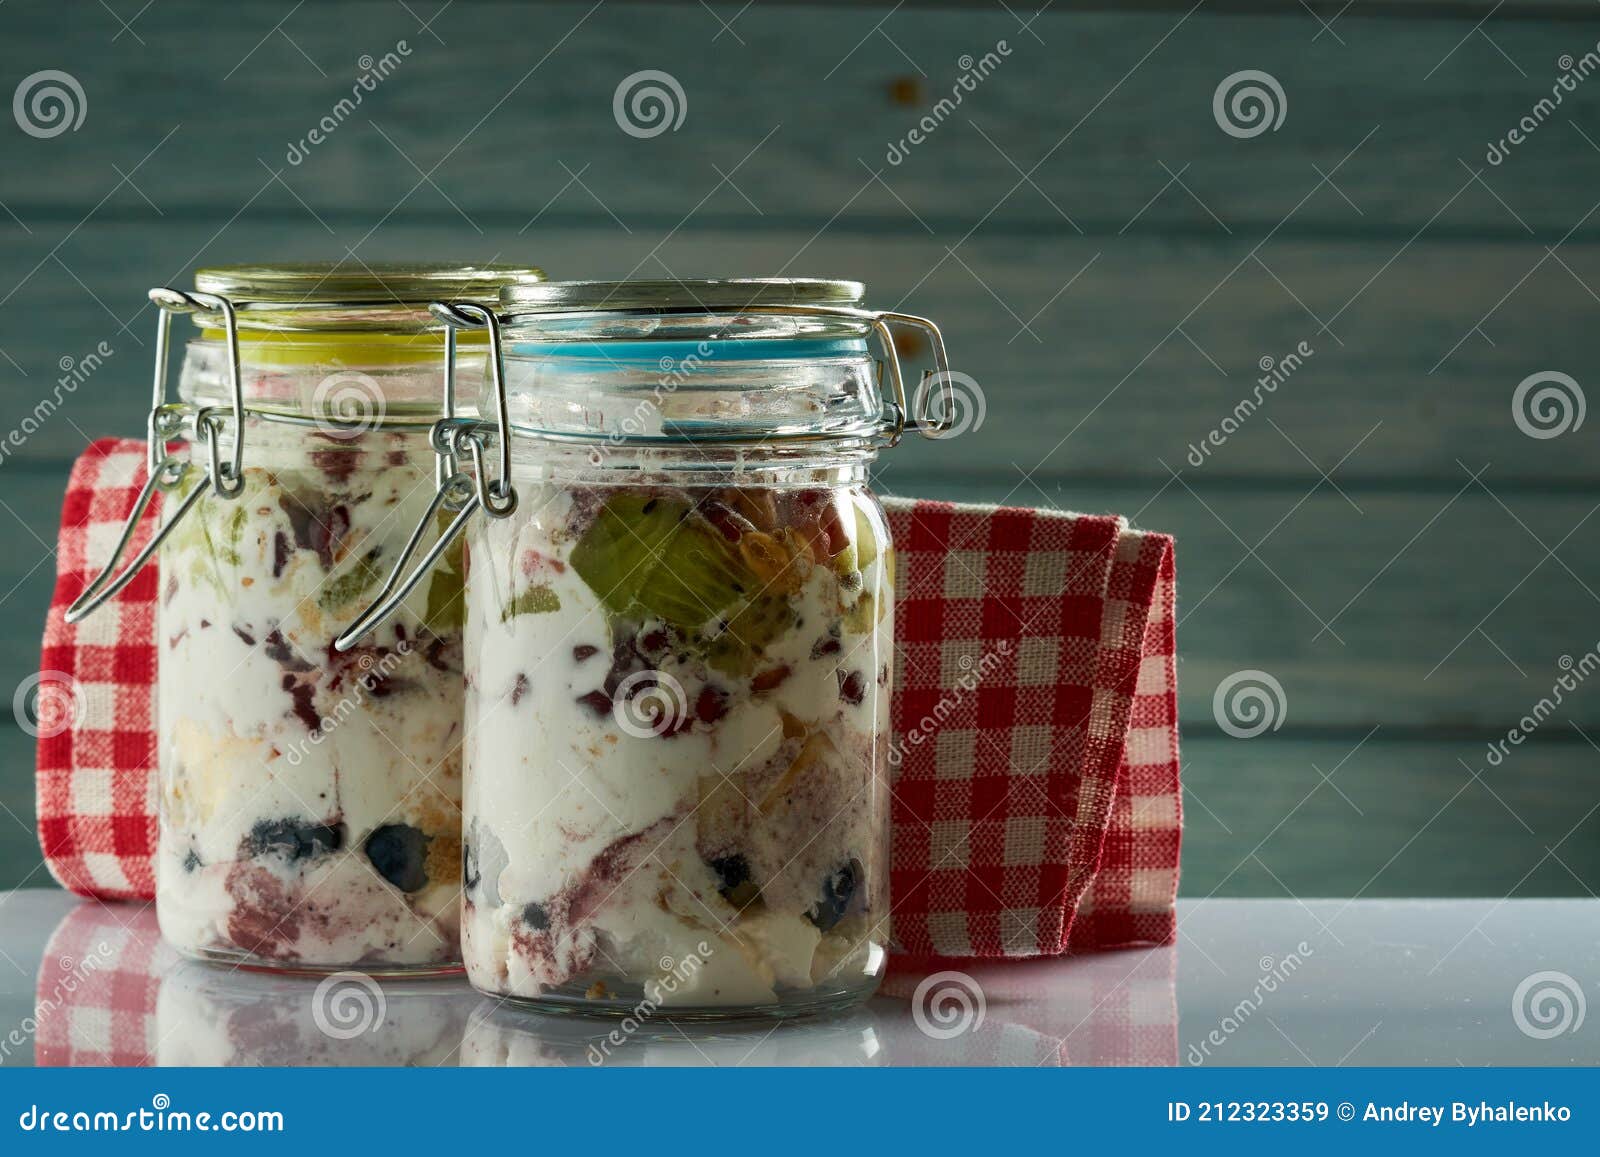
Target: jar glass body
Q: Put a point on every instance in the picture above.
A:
(309, 799)
(680, 665)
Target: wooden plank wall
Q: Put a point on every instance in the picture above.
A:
(1109, 265)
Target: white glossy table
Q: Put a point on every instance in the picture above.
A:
(1273, 982)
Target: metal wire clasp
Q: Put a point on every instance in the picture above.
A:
(928, 420)
(918, 413)
(165, 472)
(456, 490)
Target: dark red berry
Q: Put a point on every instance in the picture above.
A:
(729, 523)
(711, 705)
(852, 687)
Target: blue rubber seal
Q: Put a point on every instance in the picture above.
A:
(668, 355)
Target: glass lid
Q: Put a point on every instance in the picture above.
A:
(352, 295)
(707, 294)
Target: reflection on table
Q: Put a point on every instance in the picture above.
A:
(110, 992)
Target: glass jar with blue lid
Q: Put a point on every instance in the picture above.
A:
(679, 644)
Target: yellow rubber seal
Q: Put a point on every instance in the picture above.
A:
(273, 348)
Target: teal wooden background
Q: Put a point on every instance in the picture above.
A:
(1107, 263)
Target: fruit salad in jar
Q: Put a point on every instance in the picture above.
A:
(309, 799)
(677, 729)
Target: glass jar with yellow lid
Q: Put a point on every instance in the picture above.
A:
(309, 798)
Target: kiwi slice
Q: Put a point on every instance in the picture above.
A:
(447, 604)
(735, 648)
(362, 575)
(536, 600)
(866, 544)
(653, 555)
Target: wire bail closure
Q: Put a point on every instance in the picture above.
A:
(457, 491)
(166, 472)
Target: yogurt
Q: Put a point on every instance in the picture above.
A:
(677, 725)
(309, 799)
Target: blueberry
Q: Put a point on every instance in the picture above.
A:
(191, 861)
(731, 871)
(535, 917)
(293, 838)
(838, 890)
(400, 854)
(733, 880)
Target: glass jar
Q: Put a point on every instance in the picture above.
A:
(309, 798)
(679, 639)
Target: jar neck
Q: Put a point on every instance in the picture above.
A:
(651, 394)
(329, 375)
(777, 464)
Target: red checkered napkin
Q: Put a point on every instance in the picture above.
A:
(95, 1000)
(1036, 805)
(96, 783)
(1036, 798)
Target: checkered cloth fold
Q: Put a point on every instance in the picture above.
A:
(1036, 804)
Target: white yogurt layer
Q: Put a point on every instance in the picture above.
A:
(695, 815)
(309, 799)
